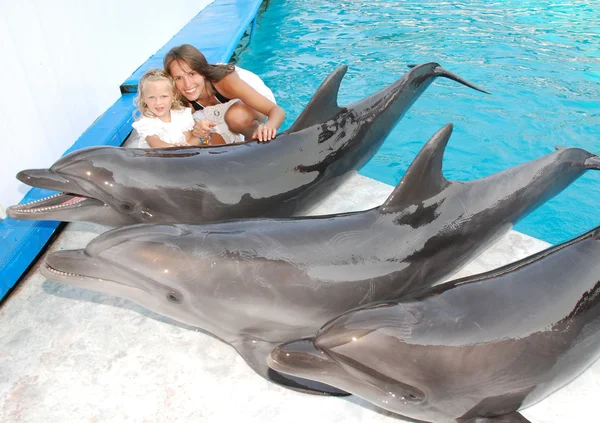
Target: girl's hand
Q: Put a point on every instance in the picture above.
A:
(202, 129)
(264, 133)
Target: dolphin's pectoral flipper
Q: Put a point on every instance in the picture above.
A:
(503, 406)
(505, 418)
(424, 178)
(255, 353)
(305, 385)
(323, 105)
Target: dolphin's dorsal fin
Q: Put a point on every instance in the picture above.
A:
(323, 105)
(423, 178)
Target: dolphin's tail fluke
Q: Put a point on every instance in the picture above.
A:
(439, 71)
(593, 163)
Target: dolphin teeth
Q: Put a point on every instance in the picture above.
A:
(47, 198)
(60, 272)
(26, 208)
(40, 200)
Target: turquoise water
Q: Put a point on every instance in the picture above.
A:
(539, 59)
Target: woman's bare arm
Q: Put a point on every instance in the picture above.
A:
(216, 139)
(232, 86)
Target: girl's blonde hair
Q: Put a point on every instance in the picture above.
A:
(156, 75)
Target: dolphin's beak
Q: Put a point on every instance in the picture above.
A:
(44, 178)
(69, 265)
(69, 197)
(77, 268)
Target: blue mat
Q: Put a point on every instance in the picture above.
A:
(22, 241)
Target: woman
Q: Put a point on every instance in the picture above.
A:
(235, 102)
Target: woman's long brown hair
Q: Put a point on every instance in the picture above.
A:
(192, 57)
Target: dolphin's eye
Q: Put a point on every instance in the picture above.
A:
(173, 297)
(126, 207)
(412, 397)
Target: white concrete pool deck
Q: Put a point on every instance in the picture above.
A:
(72, 355)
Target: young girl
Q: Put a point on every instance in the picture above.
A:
(165, 122)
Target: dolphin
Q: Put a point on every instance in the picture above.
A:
(257, 283)
(476, 349)
(291, 175)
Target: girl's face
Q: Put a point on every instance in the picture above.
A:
(189, 82)
(158, 96)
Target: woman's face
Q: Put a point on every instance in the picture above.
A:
(189, 82)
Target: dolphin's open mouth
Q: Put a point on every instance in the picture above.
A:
(70, 196)
(61, 201)
(60, 273)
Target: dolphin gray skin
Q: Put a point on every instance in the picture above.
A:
(258, 283)
(476, 349)
(291, 175)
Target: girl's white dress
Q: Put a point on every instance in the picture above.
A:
(169, 132)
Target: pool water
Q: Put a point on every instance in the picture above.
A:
(539, 59)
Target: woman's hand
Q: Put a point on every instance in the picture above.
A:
(264, 133)
(202, 129)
